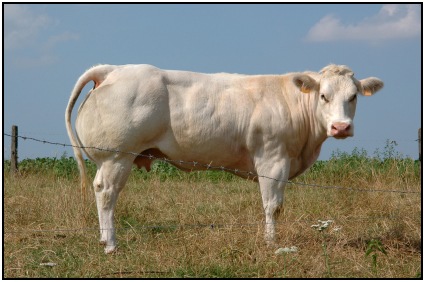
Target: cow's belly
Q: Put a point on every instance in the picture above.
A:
(211, 153)
(198, 157)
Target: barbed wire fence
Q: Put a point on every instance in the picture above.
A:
(197, 165)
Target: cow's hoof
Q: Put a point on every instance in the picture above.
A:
(110, 249)
(271, 243)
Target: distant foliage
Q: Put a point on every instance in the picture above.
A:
(342, 165)
(386, 164)
(64, 167)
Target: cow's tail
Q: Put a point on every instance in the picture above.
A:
(96, 74)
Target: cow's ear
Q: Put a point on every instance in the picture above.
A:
(305, 83)
(370, 86)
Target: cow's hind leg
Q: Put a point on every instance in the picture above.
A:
(110, 178)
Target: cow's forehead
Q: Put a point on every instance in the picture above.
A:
(338, 85)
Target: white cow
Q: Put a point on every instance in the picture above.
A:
(271, 125)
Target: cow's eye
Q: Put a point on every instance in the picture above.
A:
(322, 96)
(352, 98)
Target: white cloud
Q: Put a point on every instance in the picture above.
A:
(21, 25)
(25, 62)
(394, 21)
(28, 37)
(58, 38)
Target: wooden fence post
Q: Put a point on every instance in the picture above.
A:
(14, 150)
(420, 144)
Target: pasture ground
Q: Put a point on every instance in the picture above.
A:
(205, 224)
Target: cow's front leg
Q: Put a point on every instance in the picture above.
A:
(109, 181)
(272, 187)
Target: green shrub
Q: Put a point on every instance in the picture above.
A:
(341, 166)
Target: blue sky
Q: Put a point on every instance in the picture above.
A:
(48, 46)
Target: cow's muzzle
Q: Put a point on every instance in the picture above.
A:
(341, 130)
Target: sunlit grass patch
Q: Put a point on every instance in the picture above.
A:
(209, 224)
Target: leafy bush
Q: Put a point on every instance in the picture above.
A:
(342, 165)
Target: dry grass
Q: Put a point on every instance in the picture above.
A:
(164, 228)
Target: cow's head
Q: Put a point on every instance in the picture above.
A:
(337, 89)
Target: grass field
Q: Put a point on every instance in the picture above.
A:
(210, 224)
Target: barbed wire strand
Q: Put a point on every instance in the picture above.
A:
(248, 174)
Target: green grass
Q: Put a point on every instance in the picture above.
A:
(163, 220)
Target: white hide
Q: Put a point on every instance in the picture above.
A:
(272, 125)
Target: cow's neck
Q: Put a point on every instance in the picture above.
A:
(314, 136)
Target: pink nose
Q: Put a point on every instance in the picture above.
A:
(340, 129)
